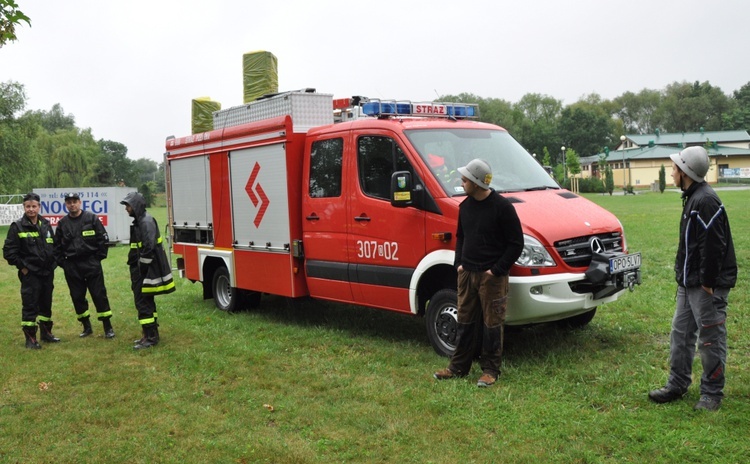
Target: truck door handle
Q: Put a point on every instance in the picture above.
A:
(313, 217)
(362, 217)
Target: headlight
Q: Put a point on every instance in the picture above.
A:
(534, 254)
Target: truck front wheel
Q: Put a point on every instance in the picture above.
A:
(226, 297)
(442, 321)
(576, 322)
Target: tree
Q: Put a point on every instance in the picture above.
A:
(146, 169)
(68, 157)
(662, 179)
(19, 166)
(572, 162)
(146, 189)
(12, 99)
(161, 179)
(585, 126)
(116, 155)
(535, 119)
(602, 164)
(10, 17)
(546, 158)
(692, 107)
(54, 120)
(739, 117)
(609, 180)
(636, 111)
(492, 110)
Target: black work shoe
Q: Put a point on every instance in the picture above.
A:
(665, 395)
(32, 344)
(48, 337)
(707, 403)
(145, 343)
(86, 332)
(45, 332)
(109, 333)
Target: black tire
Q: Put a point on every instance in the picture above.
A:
(226, 297)
(578, 321)
(442, 321)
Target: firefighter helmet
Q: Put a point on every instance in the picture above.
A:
(479, 172)
(693, 161)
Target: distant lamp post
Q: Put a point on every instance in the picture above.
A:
(622, 146)
(565, 167)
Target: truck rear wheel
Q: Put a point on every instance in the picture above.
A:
(226, 297)
(442, 321)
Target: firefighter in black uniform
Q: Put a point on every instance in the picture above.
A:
(29, 248)
(80, 246)
(150, 270)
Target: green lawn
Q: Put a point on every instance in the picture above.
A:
(331, 383)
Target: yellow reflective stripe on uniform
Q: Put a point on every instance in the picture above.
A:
(147, 321)
(161, 288)
(44, 319)
(87, 233)
(106, 314)
(28, 234)
(28, 324)
(140, 244)
(49, 240)
(84, 315)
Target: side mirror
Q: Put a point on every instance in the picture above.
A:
(401, 189)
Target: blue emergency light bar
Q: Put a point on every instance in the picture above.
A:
(433, 109)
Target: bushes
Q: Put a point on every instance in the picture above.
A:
(587, 185)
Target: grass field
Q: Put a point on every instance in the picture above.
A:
(331, 383)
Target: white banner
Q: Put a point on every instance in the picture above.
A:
(9, 213)
(736, 172)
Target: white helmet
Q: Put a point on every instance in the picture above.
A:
(479, 172)
(693, 161)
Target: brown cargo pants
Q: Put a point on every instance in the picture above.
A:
(482, 301)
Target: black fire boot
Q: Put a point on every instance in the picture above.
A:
(109, 332)
(30, 333)
(45, 332)
(143, 337)
(151, 337)
(87, 330)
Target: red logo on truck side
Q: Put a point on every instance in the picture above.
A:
(257, 195)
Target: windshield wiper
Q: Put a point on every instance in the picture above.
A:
(541, 187)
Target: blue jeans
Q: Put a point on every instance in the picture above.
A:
(699, 317)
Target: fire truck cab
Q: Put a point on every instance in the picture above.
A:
(356, 201)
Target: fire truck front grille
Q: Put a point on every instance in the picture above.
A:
(577, 252)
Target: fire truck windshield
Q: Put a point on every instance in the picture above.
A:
(445, 150)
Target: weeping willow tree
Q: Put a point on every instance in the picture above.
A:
(68, 156)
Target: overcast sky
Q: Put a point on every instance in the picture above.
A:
(129, 69)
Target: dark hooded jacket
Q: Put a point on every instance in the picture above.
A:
(147, 260)
(30, 246)
(705, 255)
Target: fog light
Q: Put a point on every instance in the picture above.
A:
(537, 290)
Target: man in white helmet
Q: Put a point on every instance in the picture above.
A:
(488, 241)
(705, 269)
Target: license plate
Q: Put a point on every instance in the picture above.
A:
(624, 263)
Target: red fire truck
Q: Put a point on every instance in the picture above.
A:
(355, 200)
